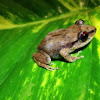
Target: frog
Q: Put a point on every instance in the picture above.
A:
(61, 43)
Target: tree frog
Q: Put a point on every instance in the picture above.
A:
(62, 42)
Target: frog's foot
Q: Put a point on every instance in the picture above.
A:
(78, 54)
(45, 65)
(52, 68)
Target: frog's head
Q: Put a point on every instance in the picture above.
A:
(86, 35)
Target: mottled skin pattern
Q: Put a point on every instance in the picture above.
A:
(62, 42)
(59, 39)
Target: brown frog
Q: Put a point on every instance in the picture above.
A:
(62, 42)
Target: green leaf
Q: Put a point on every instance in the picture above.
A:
(23, 24)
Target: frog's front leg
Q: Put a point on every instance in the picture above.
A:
(64, 53)
(43, 60)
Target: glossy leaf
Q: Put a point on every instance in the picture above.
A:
(23, 24)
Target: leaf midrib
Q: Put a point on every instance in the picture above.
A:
(58, 17)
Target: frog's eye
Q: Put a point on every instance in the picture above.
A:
(83, 36)
(80, 22)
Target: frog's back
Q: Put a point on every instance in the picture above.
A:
(56, 40)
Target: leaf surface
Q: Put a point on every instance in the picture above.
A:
(23, 24)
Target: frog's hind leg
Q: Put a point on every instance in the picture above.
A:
(43, 60)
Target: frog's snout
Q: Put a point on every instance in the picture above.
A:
(95, 30)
